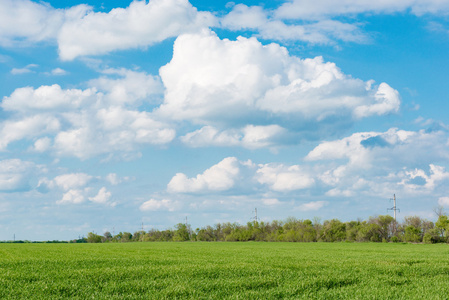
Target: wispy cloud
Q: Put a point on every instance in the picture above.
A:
(28, 69)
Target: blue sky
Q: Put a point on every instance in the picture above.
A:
(118, 113)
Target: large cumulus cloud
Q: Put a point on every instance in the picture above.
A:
(102, 120)
(225, 84)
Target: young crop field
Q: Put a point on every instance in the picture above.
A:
(224, 271)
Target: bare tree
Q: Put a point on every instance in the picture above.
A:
(439, 211)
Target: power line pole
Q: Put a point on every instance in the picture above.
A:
(255, 215)
(394, 208)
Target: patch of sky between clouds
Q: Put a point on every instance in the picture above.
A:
(145, 59)
(98, 5)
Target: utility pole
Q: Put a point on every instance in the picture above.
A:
(142, 226)
(394, 209)
(255, 215)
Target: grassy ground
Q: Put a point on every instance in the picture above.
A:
(224, 271)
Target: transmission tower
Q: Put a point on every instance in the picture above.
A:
(255, 215)
(394, 208)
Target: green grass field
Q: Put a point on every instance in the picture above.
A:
(224, 271)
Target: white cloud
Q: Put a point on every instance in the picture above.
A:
(139, 25)
(244, 17)
(27, 127)
(304, 9)
(80, 31)
(373, 163)
(211, 136)
(47, 98)
(114, 179)
(130, 88)
(42, 144)
(72, 181)
(386, 101)
(102, 197)
(310, 206)
(16, 174)
(417, 179)
(76, 189)
(283, 178)
(85, 123)
(58, 72)
(219, 177)
(155, 205)
(72, 197)
(223, 83)
(250, 136)
(25, 70)
(23, 21)
(401, 146)
(256, 18)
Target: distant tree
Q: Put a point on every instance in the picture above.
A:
(412, 234)
(107, 237)
(369, 232)
(352, 229)
(432, 236)
(181, 233)
(439, 211)
(93, 238)
(443, 226)
(206, 235)
(139, 236)
(333, 231)
(386, 226)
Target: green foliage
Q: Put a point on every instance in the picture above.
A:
(375, 229)
(93, 238)
(224, 271)
(333, 231)
(432, 236)
(412, 234)
(181, 233)
(443, 226)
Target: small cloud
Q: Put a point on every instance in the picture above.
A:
(25, 70)
(58, 72)
(102, 197)
(219, 177)
(154, 205)
(72, 181)
(42, 144)
(72, 197)
(314, 205)
(113, 179)
(437, 27)
(283, 178)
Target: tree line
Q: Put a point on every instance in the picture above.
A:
(381, 228)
